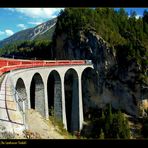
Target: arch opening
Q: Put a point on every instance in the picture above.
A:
(72, 100)
(89, 93)
(37, 97)
(54, 95)
(21, 94)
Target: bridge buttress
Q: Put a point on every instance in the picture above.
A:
(64, 120)
(81, 118)
(46, 101)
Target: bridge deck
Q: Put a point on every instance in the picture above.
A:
(7, 65)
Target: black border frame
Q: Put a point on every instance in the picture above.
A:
(75, 3)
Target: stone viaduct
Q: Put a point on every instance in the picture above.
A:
(45, 89)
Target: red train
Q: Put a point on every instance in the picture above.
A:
(7, 65)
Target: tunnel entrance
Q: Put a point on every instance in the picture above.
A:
(21, 95)
(72, 100)
(89, 92)
(54, 95)
(37, 97)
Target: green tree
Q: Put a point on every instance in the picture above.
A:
(101, 134)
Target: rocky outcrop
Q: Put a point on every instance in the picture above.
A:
(111, 83)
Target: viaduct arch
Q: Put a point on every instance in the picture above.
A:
(21, 94)
(53, 88)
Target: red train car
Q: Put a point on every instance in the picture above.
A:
(12, 64)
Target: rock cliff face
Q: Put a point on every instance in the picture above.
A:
(110, 83)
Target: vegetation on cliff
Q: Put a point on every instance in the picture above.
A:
(127, 35)
(122, 44)
(107, 124)
(39, 49)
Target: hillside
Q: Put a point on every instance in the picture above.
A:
(42, 31)
(39, 128)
